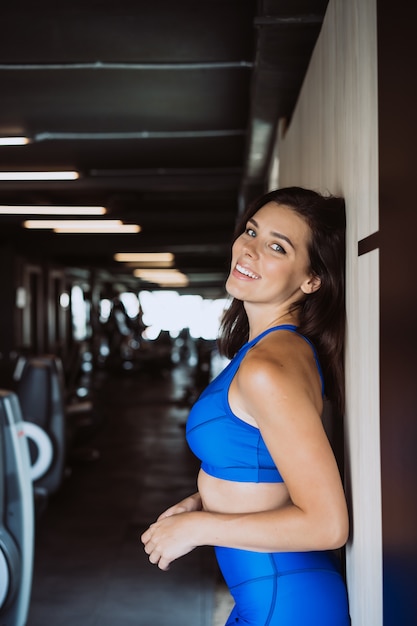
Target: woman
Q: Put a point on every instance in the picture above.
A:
(270, 498)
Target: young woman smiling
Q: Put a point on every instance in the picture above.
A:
(270, 497)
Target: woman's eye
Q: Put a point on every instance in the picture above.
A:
(278, 248)
(250, 232)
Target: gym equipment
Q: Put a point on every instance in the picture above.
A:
(41, 397)
(16, 515)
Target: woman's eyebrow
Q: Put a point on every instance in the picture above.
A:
(274, 233)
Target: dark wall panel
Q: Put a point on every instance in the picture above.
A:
(398, 229)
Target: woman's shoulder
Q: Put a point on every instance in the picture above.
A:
(278, 347)
(282, 359)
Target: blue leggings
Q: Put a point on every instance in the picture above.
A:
(284, 588)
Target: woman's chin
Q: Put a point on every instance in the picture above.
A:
(232, 288)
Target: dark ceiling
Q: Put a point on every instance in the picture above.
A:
(167, 109)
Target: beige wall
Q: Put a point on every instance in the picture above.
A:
(331, 145)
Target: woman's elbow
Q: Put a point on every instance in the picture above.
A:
(340, 538)
(336, 532)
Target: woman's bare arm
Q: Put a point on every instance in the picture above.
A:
(190, 503)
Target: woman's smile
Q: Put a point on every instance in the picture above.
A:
(245, 272)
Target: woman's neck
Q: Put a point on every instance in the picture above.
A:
(259, 322)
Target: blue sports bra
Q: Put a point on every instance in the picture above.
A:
(228, 447)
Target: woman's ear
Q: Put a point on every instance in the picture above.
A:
(311, 285)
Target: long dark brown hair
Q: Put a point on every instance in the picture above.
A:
(322, 313)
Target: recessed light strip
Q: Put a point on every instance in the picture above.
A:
(50, 224)
(52, 210)
(117, 230)
(163, 277)
(144, 257)
(82, 226)
(14, 141)
(51, 175)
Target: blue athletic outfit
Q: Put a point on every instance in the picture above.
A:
(269, 589)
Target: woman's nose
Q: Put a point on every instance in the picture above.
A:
(250, 249)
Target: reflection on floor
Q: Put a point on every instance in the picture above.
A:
(90, 569)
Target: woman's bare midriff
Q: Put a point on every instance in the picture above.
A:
(226, 496)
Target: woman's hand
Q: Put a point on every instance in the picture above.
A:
(170, 536)
(191, 503)
(173, 535)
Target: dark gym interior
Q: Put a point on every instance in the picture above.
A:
(164, 114)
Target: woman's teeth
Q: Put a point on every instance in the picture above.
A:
(246, 272)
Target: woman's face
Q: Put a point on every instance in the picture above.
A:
(270, 262)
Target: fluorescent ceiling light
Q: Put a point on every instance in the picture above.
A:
(83, 226)
(52, 210)
(144, 257)
(117, 229)
(163, 278)
(157, 274)
(50, 224)
(14, 141)
(67, 175)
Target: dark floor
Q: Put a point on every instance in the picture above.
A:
(90, 568)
